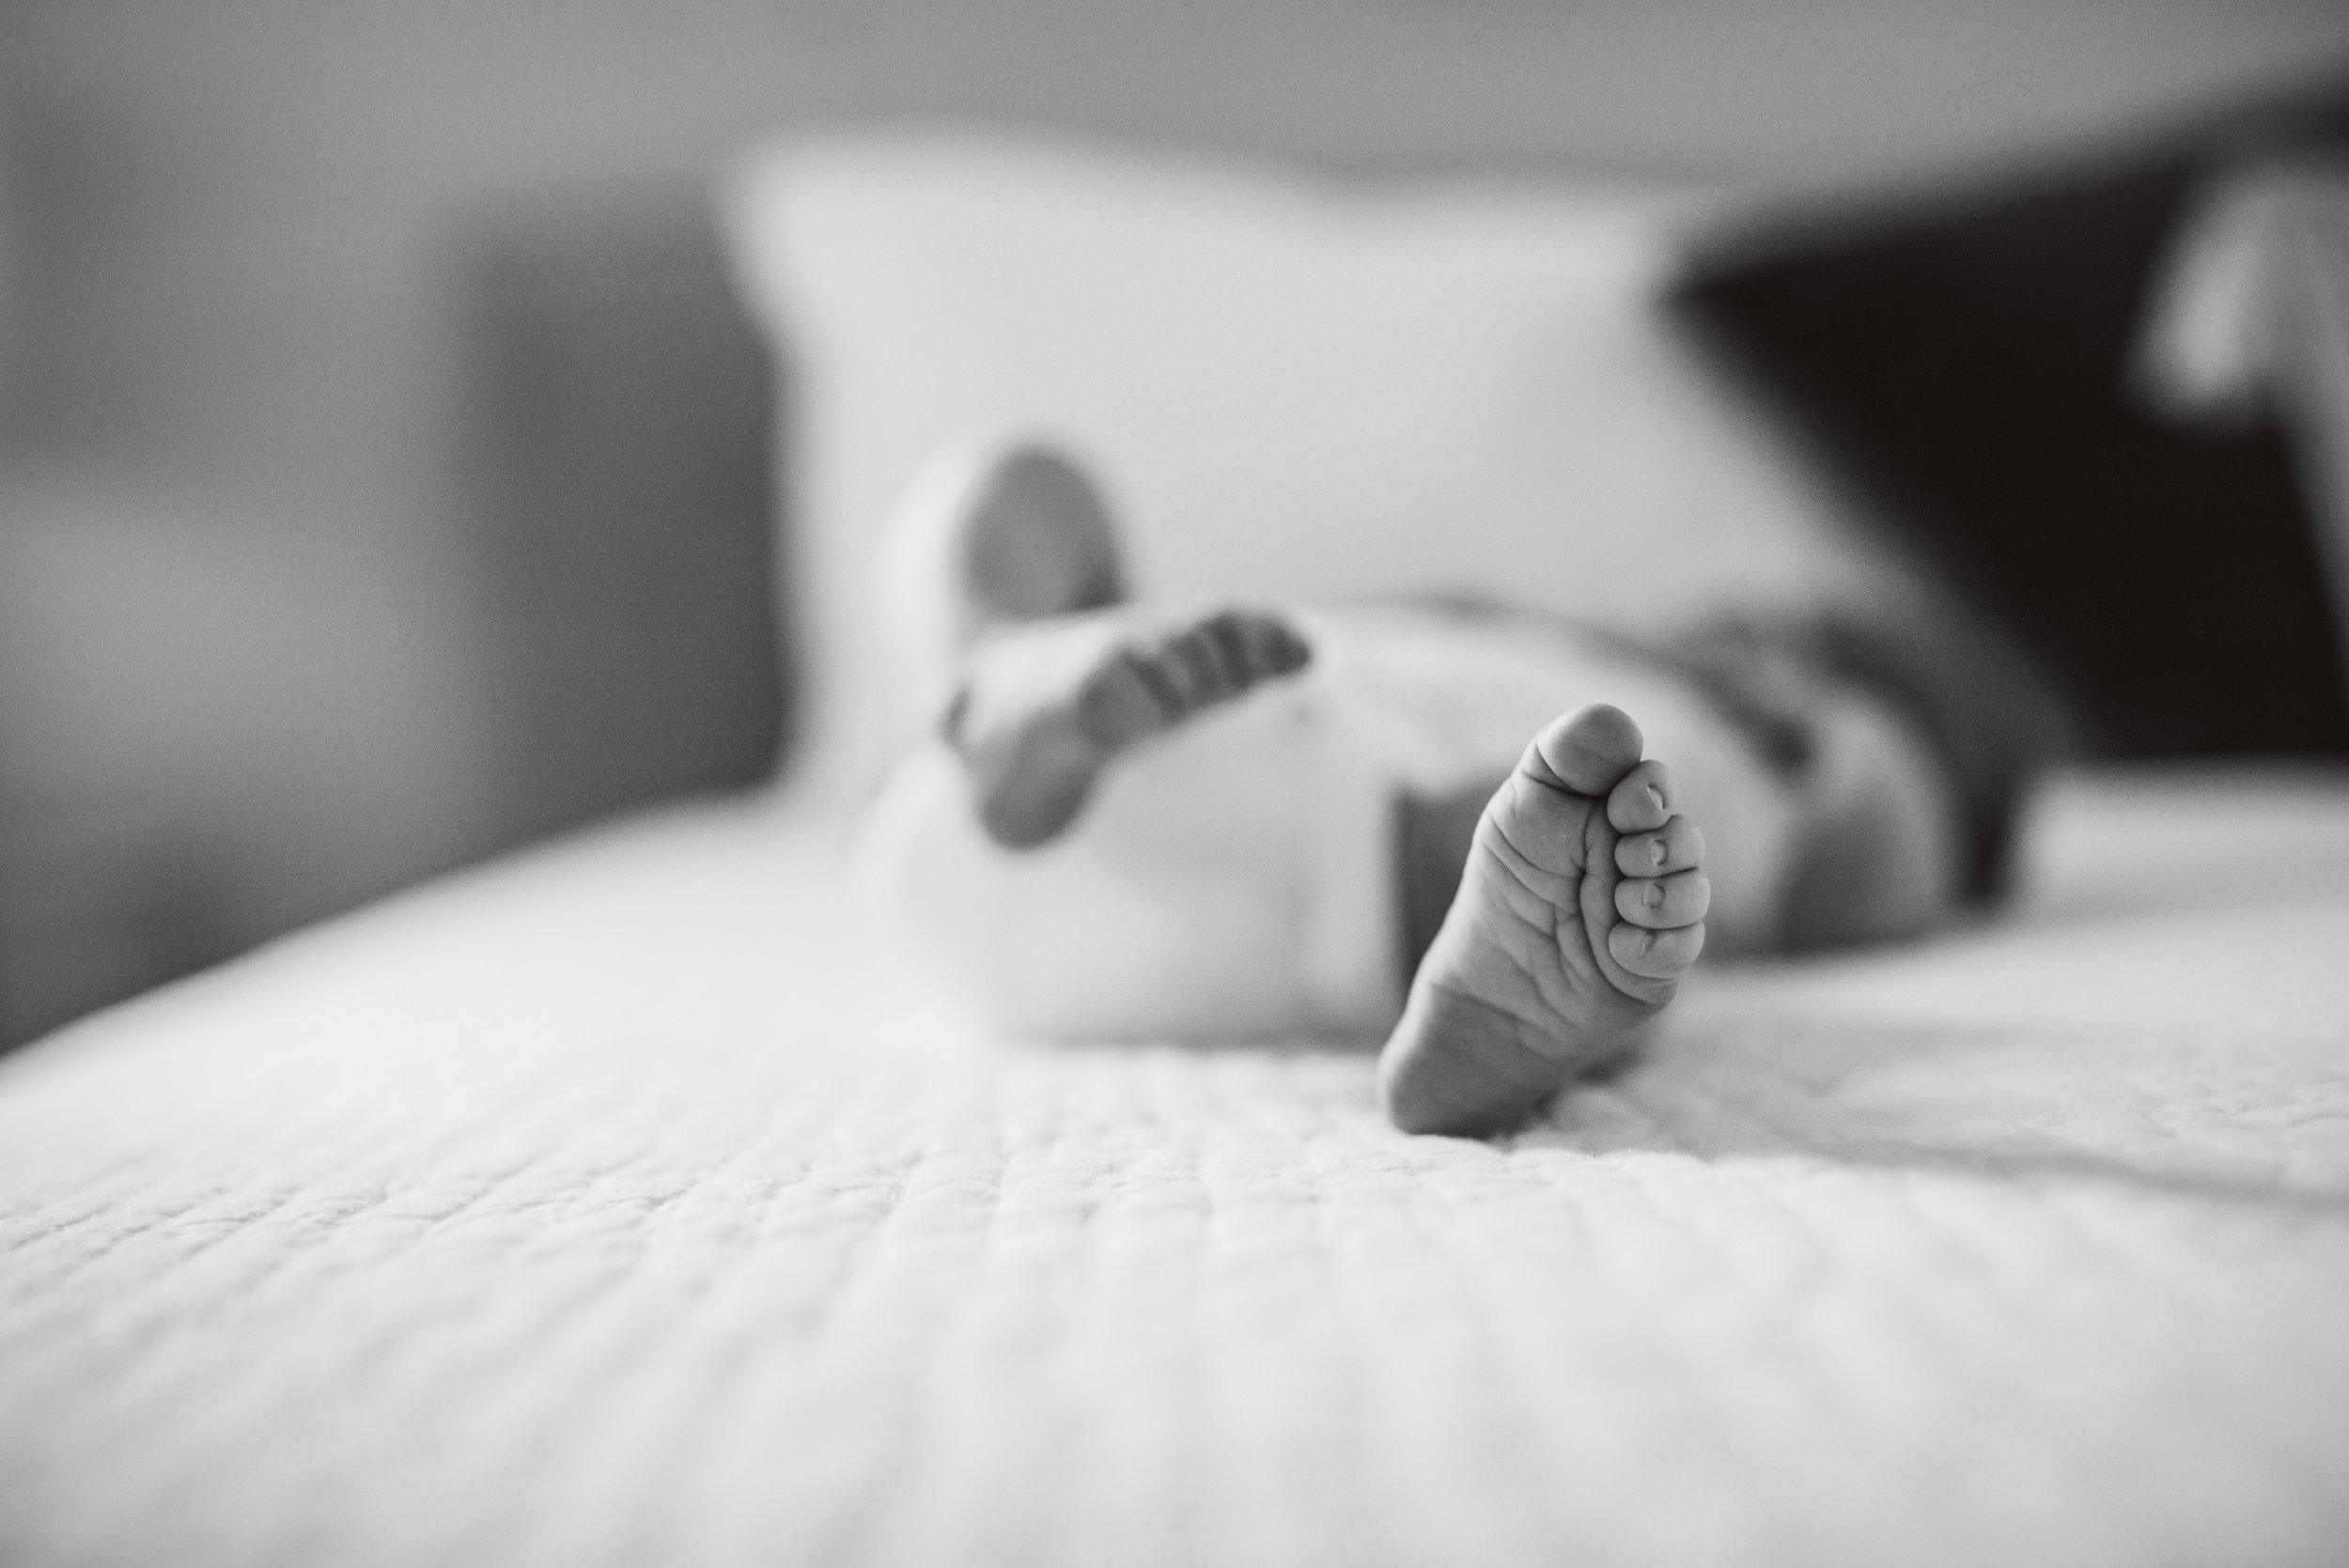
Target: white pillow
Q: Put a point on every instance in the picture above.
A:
(1291, 388)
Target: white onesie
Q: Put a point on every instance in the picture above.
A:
(1236, 878)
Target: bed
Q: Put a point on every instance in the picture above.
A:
(627, 1202)
(622, 1203)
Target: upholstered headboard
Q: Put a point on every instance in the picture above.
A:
(619, 424)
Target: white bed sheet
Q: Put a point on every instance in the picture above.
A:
(618, 1205)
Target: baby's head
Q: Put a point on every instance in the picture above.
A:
(1912, 734)
(1988, 714)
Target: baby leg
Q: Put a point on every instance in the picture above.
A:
(1203, 894)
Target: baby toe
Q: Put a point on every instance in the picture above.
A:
(1268, 644)
(1125, 698)
(1655, 954)
(1587, 750)
(1663, 902)
(1674, 847)
(1188, 658)
(1227, 648)
(1642, 799)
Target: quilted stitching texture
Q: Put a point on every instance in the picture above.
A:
(589, 1211)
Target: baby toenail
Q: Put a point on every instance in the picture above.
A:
(1655, 795)
(1656, 852)
(1655, 895)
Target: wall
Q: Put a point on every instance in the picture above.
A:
(244, 589)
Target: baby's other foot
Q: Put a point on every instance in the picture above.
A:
(1046, 706)
(1582, 906)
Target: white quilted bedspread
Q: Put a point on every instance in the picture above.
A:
(616, 1207)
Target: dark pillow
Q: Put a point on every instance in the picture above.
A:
(1963, 360)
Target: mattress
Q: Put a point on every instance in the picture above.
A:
(622, 1203)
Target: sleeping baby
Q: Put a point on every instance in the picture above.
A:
(1495, 839)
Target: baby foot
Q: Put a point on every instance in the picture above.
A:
(1046, 706)
(1582, 906)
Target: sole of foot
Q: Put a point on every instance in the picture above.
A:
(1582, 906)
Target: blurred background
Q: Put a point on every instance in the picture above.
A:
(382, 475)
